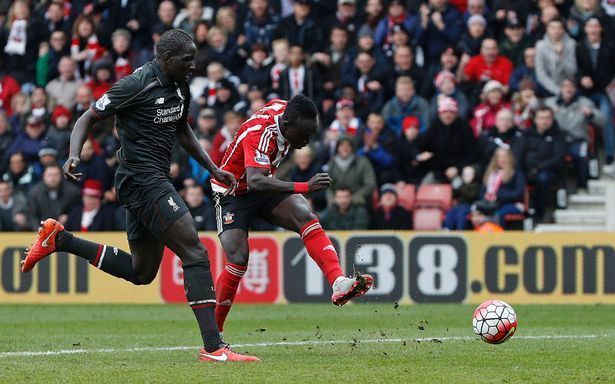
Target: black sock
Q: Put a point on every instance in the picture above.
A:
(201, 297)
(109, 259)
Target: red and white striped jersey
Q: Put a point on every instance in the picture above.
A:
(258, 143)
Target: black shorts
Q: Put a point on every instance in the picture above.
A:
(151, 202)
(238, 212)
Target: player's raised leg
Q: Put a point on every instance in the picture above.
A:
(295, 214)
(181, 237)
(235, 244)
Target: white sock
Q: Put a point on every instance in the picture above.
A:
(338, 281)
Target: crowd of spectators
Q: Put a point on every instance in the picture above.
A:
(490, 96)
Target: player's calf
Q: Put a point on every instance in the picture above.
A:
(226, 289)
(320, 248)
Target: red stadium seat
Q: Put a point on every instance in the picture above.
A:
(405, 195)
(435, 196)
(427, 219)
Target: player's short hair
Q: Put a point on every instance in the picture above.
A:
(300, 107)
(173, 40)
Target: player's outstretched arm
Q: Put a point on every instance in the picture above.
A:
(77, 138)
(259, 181)
(187, 139)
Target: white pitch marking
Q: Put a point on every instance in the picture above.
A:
(277, 344)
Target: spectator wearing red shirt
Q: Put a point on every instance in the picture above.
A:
(102, 78)
(485, 114)
(489, 65)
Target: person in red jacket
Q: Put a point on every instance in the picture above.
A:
(8, 88)
(488, 65)
(483, 117)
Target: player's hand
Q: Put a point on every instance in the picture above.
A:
(318, 182)
(225, 178)
(69, 168)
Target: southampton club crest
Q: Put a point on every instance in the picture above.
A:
(228, 218)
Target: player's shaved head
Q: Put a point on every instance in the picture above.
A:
(300, 107)
(172, 41)
(300, 121)
(175, 52)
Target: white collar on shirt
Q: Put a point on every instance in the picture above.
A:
(281, 138)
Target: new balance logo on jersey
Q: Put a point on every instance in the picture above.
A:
(159, 101)
(173, 204)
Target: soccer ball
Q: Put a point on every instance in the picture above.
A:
(494, 321)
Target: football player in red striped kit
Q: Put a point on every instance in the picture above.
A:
(253, 157)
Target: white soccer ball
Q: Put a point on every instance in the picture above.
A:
(494, 321)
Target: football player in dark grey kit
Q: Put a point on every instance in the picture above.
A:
(151, 109)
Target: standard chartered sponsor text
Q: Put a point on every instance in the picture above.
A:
(167, 115)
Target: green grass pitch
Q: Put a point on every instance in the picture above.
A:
(305, 343)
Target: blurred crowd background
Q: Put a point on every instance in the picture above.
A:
(489, 104)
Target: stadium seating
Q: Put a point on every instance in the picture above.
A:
(427, 219)
(434, 196)
(406, 195)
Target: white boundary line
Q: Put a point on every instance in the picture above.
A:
(277, 344)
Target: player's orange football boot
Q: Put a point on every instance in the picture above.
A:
(346, 288)
(225, 354)
(44, 245)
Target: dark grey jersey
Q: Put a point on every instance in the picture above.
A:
(148, 107)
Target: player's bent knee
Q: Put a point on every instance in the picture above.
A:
(238, 258)
(304, 218)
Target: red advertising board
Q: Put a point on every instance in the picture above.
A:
(172, 274)
(261, 283)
